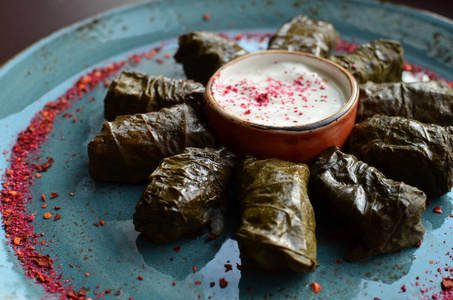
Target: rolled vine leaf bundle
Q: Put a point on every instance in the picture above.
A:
(185, 193)
(377, 61)
(305, 35)
(383, 213)
(202, 53)
(277, 229)
(131, 147)
(134, 92)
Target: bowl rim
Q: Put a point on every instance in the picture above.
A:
(351, 101)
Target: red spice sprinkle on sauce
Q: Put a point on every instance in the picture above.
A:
(174, 283)
(140, 278)
(206, 17)
(228, 267)
(47, 216)
(315, 287)
(212, 284)
(53, 195)
(197, 282)
(194, 269)
(102, 222)
(223, 283)
(177, 248)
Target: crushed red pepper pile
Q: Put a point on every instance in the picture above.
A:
(26, 164)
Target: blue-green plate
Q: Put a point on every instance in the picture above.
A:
(113, 254)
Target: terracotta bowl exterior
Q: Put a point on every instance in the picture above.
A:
(299, 143)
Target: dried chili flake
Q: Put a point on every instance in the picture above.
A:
(228, 267)
(194, 269)
(173, 283)
(403, 288)
(47, 216)
(212, 236)
(212, 284)
(206, 17)
(53, 195)
(197, 282)
(57, 217)
(177, 249)
(45, 165)
(338, 261)
(223, 283)
(437, 210)
(447, 283)
(315, 287)
(140, 278)
(102, 222)
(239, 267)
(57, 208)
(87, 274)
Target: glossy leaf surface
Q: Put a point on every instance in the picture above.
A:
(185, 193)
(277, 228)
(384, 214)
(377, 61)
(305, 35)
(134, 92)
(406, 150)
(131, 147)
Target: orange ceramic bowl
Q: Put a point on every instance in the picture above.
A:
(300, 143)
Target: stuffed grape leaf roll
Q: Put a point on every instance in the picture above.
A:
(305, 35)
(202, 53)
(406, 150)
(185, 193)
(134, 92)
(131, 147)
(277, 228)
(377, 61)
(427, 102)
(383, 213)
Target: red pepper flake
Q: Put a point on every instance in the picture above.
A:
(71, 194)
(96, 224)
(315, 287)
(197, 282)
(140, 278)
(223, 283)
(403, 288)
(102, 222)
(118, 292)
(47, 216)
(45, 165)
(437, 210)
(173, 283)
(57, 207)
(212, 237)
(228, 267)
(57, 217)
(206, 17)
(338, 262)
(212, 284)
(38, 175)
(43, 197)
(447, 283)
(177, 248)
(53, 195)
(44, 205)
(239, 267)
(194, 269)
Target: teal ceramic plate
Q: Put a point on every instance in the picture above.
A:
(113, 254)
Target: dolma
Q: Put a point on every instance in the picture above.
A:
(185, 193)
(202, 53)
(131, 147)
(406, 150)
(277, 228)
(377, 61)
(134, 92)
(427, 102)
(383, 213)
(305, 35)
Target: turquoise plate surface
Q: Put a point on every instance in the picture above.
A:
(113, 254)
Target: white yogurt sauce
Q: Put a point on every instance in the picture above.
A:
(282, 93)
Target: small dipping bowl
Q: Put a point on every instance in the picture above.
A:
(242, 117)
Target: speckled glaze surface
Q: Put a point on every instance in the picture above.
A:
(298, 143)
(113, 254)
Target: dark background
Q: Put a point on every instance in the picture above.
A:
(23, 22)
